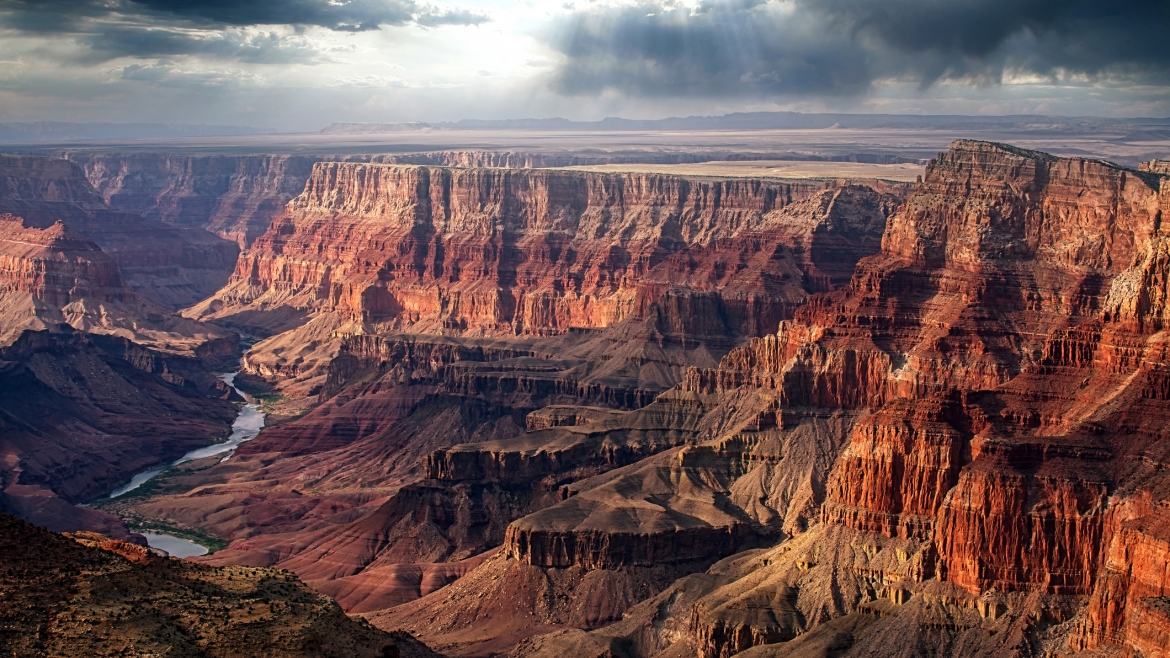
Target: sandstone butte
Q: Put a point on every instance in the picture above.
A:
(559, 413)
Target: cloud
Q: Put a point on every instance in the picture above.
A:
(239, 44)
(985, 37)
(740, 48)
(225, 29)
(165, 73)
(431, 16)
(805, 48)
(341, 15)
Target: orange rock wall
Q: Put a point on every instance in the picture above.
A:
(505, 252)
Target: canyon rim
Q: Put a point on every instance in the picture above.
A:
(853, 342)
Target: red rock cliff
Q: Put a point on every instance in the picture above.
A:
(1005, 355)
(169, 266)
(493, 251)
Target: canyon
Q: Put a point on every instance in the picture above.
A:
(533, 411)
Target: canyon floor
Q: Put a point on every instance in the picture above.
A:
(612, 397)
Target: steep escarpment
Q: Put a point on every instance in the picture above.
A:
(55, 276)
(237, 196)
(96, 596)
(168, 266)
(82, 413)
(234, 197)
(498, 252)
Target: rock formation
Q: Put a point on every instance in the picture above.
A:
(54, 276)
(80, 414)
(585, 414)
(372, 247)
(234, 197)
(1000, 356)
(168, 266)
(444, 412)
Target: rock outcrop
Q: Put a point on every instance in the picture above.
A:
(90, 595)
(498, 252)
(233, 196)
(527, 252)
(172, 267)
(717, 417)
(395, 394)
(999, 483)
(54, 276)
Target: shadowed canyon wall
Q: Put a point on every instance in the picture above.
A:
(172, 267)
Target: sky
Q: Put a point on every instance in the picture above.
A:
(299, 65)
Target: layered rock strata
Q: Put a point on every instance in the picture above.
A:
(997, 489)
(169, 266)
(952, 445)
(641, 277)
(54, 276)
(526, 252)
(234, 197)
(371, 247)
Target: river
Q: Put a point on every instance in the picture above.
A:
(173, 546)
(247, 425)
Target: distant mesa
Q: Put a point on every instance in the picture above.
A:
(373, 128)
(1161, 167)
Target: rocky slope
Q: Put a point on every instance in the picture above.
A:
(385, 479)
(691, 417)
(169, 266)
(80, 414)
(54, 276)
(90, 595)
(234, 197)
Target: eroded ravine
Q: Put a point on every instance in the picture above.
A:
(247, 425)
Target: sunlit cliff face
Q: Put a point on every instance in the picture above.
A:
(304, 64)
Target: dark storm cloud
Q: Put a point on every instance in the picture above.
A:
(716, 49)
(982, 37)
(162, 28)
(827, 47)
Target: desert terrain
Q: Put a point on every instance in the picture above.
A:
(847, 391)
